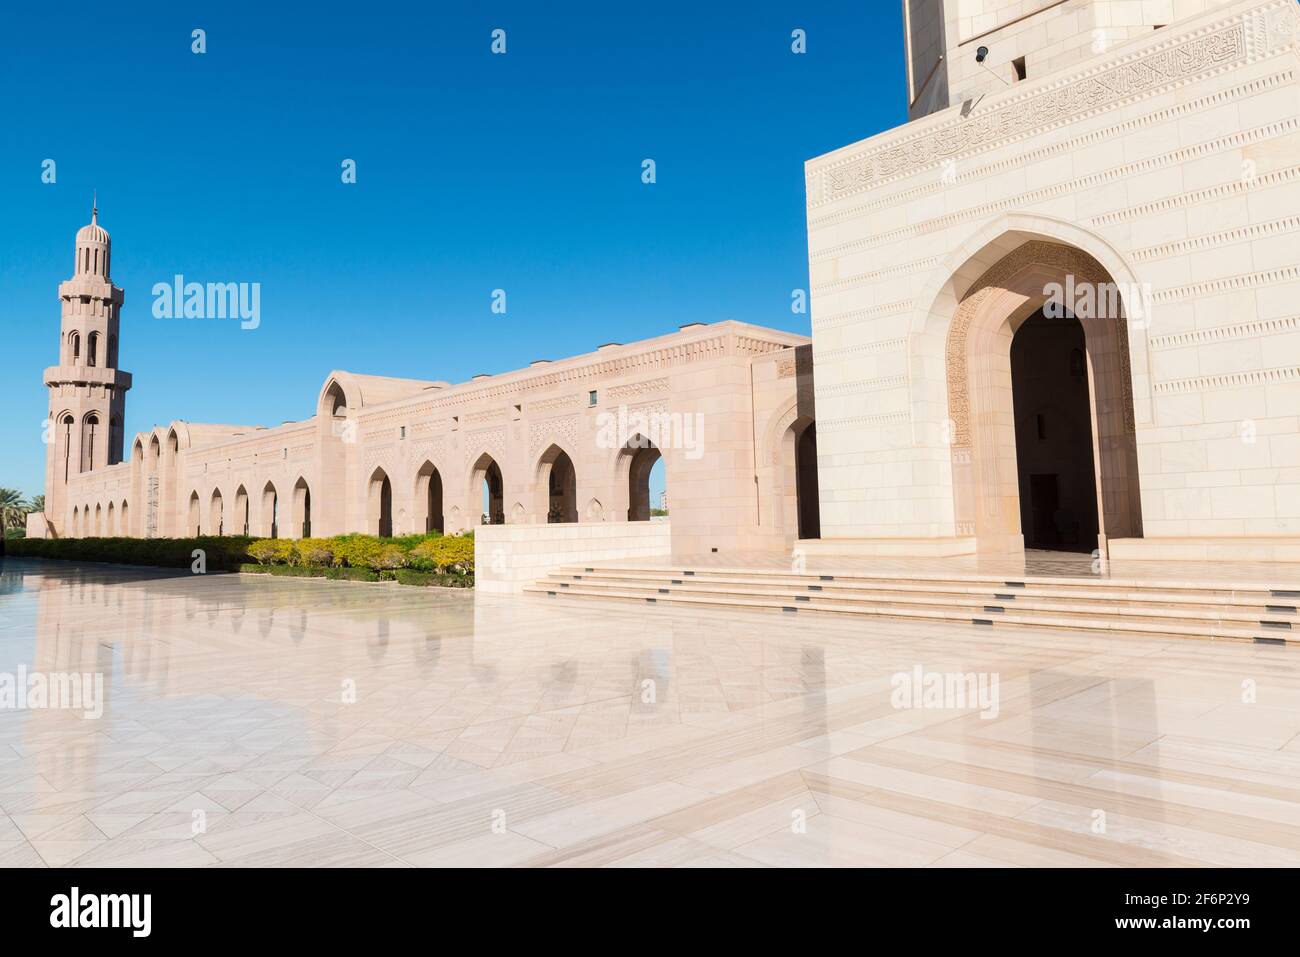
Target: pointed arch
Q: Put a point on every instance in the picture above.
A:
(632, 466)
(193, 526)
(555, 483)
(301, 508)
(379, 504)
(270, 523)
(216, 513)
(242, 518)
(429, 498)
(90, 438)
(487, 488)
(981, 322)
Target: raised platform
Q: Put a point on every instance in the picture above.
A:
(1240, 601)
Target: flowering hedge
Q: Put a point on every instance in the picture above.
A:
(412, 559)
(441, 554)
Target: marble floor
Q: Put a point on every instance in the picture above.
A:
(263, 722)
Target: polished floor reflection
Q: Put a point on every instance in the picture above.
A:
(250, 721)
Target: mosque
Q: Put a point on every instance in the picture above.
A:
(1058, 309)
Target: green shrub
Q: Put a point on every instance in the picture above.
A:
(450, 552)
(410, 576)
(221, 553)
(272, 551)
(356, 551)
(315, 552)
(390, 558)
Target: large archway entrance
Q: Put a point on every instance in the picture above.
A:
(1056, 471)
(996, 395)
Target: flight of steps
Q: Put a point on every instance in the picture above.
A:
(1260, 613)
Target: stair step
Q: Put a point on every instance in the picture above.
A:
(1028, 604)
(1107, 623)
(1065, 588)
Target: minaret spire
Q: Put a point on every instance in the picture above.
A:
(94, 206)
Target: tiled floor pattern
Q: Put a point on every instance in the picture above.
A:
(508, 731)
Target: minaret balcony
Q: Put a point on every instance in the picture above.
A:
(88, 375)
(93, 286)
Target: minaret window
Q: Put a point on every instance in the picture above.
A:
(114, 440)
(67, 445)
(76, 347)
(89, 434)
(92, 348)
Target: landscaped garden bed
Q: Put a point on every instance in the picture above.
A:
(425, 560)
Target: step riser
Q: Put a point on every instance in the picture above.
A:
(1026, 600)
(1112, 626)
(1262, 593)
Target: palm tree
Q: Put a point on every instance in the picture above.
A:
(13, 510)
(37, 504)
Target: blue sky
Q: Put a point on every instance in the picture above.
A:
(474, 172)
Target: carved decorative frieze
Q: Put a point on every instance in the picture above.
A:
(565, 429)
(1139, 74)
(542, 406)
(633, 389)
(492, 441)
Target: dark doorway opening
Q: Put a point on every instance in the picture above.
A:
(1054, 435)
(805, 483)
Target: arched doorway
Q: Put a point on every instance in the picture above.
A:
(1054, 459)
(986, 425)
(428, 498)
(110, 528)
(487, 486)
(302, 508)
(216, 514)
(379, 504)
(124, 519)
(799, 481)
(557, 486)
(638, 458)
(241, 510)
(193, 521)
(270, 511)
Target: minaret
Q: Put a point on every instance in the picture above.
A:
(87, 392)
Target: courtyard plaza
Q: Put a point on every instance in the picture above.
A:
(251, 721)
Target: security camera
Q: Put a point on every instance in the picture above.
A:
(981, 54)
